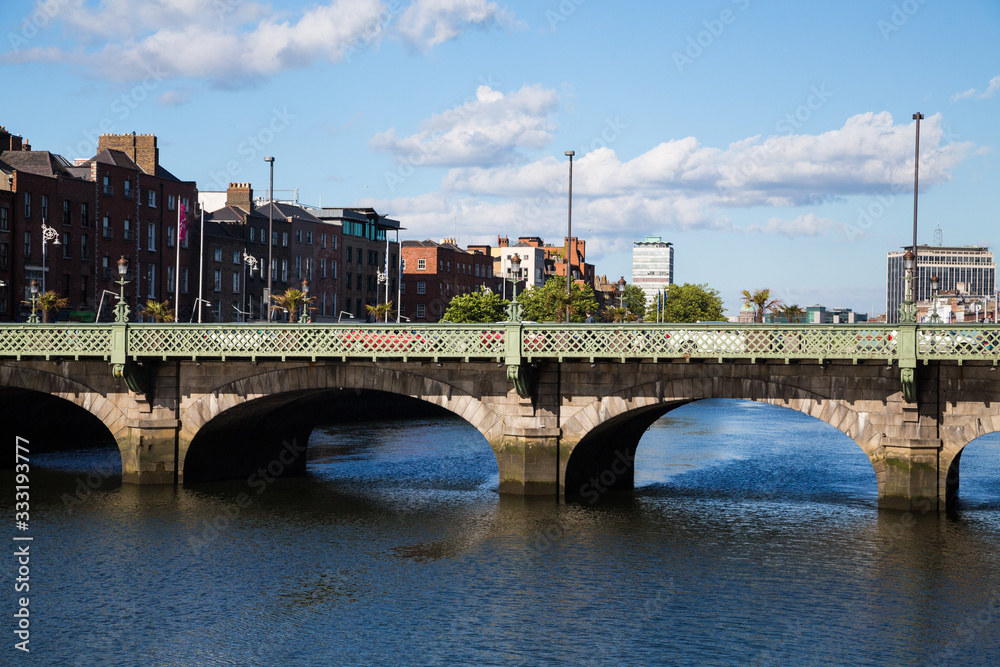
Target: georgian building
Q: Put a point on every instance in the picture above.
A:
(434, 273)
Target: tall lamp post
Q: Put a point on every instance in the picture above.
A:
(935, 318)
(49, 234)
(121, 308)
(305, 302)
(514, 274)
(270, 235)
(916, 181)
(620, 289)
(569, 235)
(33, 317)
(908, 309)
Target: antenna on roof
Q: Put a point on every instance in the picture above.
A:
(938, 236)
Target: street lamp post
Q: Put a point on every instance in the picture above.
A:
(569, 235)
(935, 318)
(908, 310)
(514, 274)
(620, 289)
(305, 302)
(49, 234)
(916, 180)
(270, 235)
(121, 308)
(33, 317)
(250, 261)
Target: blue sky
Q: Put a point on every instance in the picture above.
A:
(771, 142)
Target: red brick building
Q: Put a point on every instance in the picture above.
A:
(434, 273)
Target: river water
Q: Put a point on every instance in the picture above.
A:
(752, 538)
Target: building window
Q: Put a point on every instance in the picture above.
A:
(151, 277)
(128, 189)
(236, 282)
(274, 269)
(284, 239)
(105, 268)
(128, 230)
(66, 246)
(27, 244)
(274, 238)
(421, 287)
(171, 202)
(4, 219)
(184, 280)
(421, 265)
(151, 234)
(170, 280)
(333, 268)
(252, 230)
(298, 236)
(217, 282)
(84, 215)
(333, 242)
(347, 280)
(108, 189)
(349, 253)
(359, 255)
(218, 254)
(66, 218)
(84, 248)
(309, 238)
(27, 204)
(402, 288)
(420, 311)
(151, 195)
(298, 268)
(170, 236)
(322, 240)
(284, 270)
(322, 268)
(309, 268)
(236, 257)
(45, 207)
(4, 251)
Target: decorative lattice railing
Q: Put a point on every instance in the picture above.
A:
(502, 341)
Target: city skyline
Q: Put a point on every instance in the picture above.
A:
(745, 134)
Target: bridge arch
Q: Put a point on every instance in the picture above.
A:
(271, 392)
(604, 434)
(30, 378)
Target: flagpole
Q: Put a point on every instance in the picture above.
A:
(201, 265)
(177, 267)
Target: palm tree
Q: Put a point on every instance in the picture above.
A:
(291, 301)
(160, 311)
(761, 301)
(381, 311)
(616, 314)
(51, 302)
(791, 313)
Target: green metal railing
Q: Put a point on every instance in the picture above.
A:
(508, 342)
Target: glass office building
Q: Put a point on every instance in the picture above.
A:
(652, 266)
(966, 270)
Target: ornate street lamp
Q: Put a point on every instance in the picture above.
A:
(33, 317)
(620, 289)
(908, 309)
(569, 236)
(49, 234)
(250, 261)
(514, 275)
(305, 302)
(121, 308)
(935, 318)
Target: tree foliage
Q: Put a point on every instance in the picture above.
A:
(548, 302)
(160, 311)
(481, 306)
(689, 303)
(380, 312)
(792, 314)
(291, 302)
(49, 302)
(761, 301)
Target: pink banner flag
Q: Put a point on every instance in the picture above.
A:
(182, 223)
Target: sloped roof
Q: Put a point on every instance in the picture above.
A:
(41, 163)
(284, 211)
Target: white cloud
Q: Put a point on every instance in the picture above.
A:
(991, 89)
(489, 129)
(232, 43)
(427, 23)
(682, 185)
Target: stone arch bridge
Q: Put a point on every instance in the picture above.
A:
(562, 406)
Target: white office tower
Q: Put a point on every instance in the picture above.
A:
(652, 266)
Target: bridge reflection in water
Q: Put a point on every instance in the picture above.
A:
(560, 405)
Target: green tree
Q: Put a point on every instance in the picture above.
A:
(50, 302)
(380, 312)
(635, 300)
(618, 314)
(548, 302)
(292, 301)
(688, 303)
(160, 311)
(792, 314)
(761, 301)
(481, 306)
